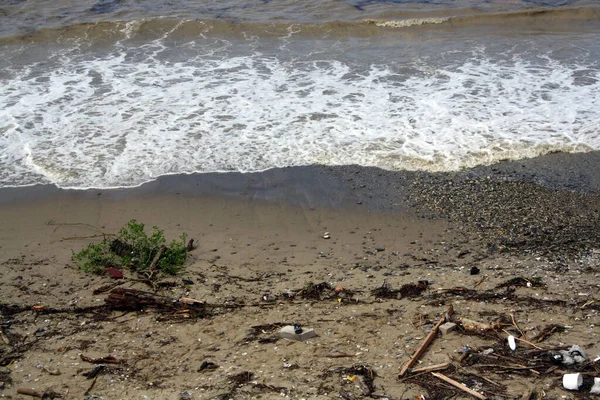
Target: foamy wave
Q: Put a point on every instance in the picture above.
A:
(129, 115)
(405, 23)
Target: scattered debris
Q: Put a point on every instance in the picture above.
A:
(406, 291)
(241, 378)
(548, 331)
(421, 349)
(94, 372)
(459, 385)
(366, 374)
(294, 332)
(520, 281)
(101, 360)
(476, 326)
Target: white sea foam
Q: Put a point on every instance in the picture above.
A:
(405, 23)
(120, 119)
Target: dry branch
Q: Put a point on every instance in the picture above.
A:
(459, 385)
(421, 349)
(431, 368)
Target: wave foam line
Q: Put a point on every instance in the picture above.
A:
(126, 117)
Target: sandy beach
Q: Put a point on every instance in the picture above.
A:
(513, 246)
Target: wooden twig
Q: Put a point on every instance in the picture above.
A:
(154, 263)
(421, 349)
(524, 341)
(91, 386)
(431, 368)
(31, 392)
(511, 367)
(512, 316)
(4, 338)
(459, 385)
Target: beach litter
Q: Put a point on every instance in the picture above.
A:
(596, 388)
(572, 381)
(512, 344)
(295, 332)
(575, 355)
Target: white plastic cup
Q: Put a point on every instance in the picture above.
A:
(572, 381)
(511, 343)
(596, 388)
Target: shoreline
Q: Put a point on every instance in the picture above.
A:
(261, 242)
(570, 171)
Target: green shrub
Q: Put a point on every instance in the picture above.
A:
(133, 249)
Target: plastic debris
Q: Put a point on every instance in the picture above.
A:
(572, 381)
(596, 388)
(511, 343)
(575, 355)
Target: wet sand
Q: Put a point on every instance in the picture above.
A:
(260, 241)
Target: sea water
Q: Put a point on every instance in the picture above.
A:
(114, 93)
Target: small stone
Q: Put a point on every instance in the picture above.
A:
(289, 332)
(447, 328)
(475, 271)
(185, 396)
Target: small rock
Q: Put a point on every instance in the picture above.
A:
(185, 396)
(447, 328)
(463, 253)
(475, 271)
(207, 365)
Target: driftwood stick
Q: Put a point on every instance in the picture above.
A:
(459, 385)
(4, 337)
(188, 300)
(421, 349)
(31, 392)
(431, 368)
